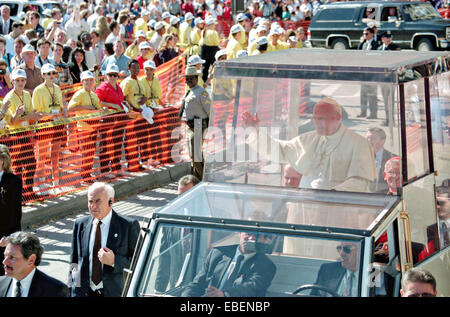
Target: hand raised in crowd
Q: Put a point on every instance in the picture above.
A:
(3, 242)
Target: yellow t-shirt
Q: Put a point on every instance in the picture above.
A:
(232, 48)
(132, 51)
(195, 36)
(149, 34)
(132, 91)
(83, 98)
(183, 35)
(242, 39)
(15, 102)
(140, 25)
(210, 38)
(173, 30)
(47, 100)
(151, 89)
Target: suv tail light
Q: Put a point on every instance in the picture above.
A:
(308, 34)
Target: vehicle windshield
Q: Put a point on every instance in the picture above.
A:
(422, 12)
(191, 261)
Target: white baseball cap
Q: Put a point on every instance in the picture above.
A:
(236, 29)
(141, 33)
(260, 28)
(18, 73)
(151, 23)
(47, 12)
(47, 68)
(262, 40)
(241, 17)
(166, 15)
(112, 68)
(220, 53)
(194, 60)
(256, 21)
(188, 16)
(198, 21)
(145, 12)
(149, 64)
(241, 53)
(86, 75)
(144, 45)
(28, 48)
(159, 25)
(210, 20)
(293, 39)
(174, 20)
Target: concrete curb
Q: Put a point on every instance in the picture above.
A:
(66, 205)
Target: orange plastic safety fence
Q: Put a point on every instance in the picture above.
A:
(54, 158)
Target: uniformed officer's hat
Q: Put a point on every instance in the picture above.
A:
(194, 60)
(386, 34)
(191, 71)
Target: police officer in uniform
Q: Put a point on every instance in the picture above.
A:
(194, 111)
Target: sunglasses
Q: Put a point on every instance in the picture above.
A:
(52, 73)
(113, 75)
(347, 249)
(365, 33)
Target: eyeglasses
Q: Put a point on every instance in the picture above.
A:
(421, 295)
(113, 75)
(347, 248)
(365, 33)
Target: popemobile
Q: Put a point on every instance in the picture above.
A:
(371, 197)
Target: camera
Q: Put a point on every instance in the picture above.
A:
(2, 71)
(62, 65)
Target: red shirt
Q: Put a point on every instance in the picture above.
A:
(107, 93)
(186, 7)
(141, 61)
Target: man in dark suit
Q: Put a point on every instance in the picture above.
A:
(102, 246)
(22, 255)
(234, 270)
(341, 277)
(368, 92)
(377, 137)
(386, 39)
(10, 199)
(5, 21)
(175, 245)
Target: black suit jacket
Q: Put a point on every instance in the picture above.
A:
(42, 285)
(330, 275)
(10, 208)
(9, 27)
(122, 237)
(253, 279)
(390, 47)
(374, 45)
(379, 185)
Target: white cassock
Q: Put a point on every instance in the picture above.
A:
(342, 161)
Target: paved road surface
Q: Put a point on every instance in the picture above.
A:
(56, 236)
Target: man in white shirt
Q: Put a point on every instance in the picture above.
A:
(92, 20)
(23, 254)
(377, 137)
(157, 37)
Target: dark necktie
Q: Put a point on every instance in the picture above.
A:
(234, 273)
(18, 290)
(446, 235)
(96, 265)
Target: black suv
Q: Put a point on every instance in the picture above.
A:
(413, 24)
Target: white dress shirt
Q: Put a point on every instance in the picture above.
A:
(105, 229)
(25, 285)
(345, 280)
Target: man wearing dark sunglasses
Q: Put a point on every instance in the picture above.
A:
(418, 283)
(341, 277)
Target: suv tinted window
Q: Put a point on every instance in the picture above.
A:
(344, 14)
(421, 12)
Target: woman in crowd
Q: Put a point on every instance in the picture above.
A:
(86, 100)
(166, 50)
(112, 128)
(138, 134)
(10, 199)
(64, 77)
(152, 92)
(47, 98)
(19, 115)
(209, 45)
(5, 81)
(77, 64)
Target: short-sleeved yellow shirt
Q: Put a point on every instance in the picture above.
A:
(15, 102)
(152, 89)
(47, 100)
(132, 91)
(84, 98)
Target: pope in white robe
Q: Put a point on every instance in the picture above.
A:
(330, 157)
